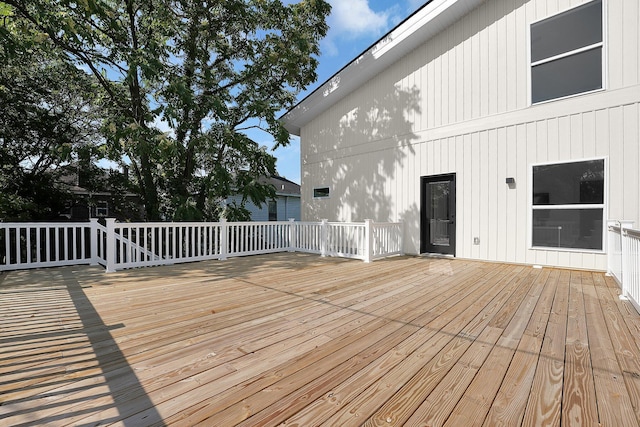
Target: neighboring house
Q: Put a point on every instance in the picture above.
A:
(501, 130)
(285, 206)
(105, 202)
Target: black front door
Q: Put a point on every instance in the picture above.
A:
(438, 214)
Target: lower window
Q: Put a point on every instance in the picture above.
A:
(568, 205)
(568, 228)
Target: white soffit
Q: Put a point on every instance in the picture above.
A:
(428, 21)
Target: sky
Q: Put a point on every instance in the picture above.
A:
(354, 25)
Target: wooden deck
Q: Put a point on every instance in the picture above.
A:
(303, 340)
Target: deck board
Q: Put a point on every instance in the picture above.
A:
(296, 339)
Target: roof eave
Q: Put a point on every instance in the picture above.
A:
(425, 23)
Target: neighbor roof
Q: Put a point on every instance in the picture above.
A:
(283, 186)
(426, 22)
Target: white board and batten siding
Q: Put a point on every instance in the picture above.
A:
(460, 103)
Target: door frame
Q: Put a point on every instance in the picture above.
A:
(424, 223)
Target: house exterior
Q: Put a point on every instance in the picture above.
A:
(285, 206)
(499, 130)
(98, 198)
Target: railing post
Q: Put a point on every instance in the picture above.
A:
(224, 238)
(624, 266)
(324, 237)
(93, 240)
(368, 240)
(292, 235)
(401, 222)
(624, 261)
(110, 247)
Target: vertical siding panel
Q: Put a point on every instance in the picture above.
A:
(615, 43)
(485, 196)
(630, 64)
(474, 188)
(616, 164)
(543, 143)
(462, 204)
(453, 73)
(452, 155)
(413, 84)
(476, 65)
(552, 140)
(492, 45)
(511, 65)
(564, 138)
(444, 75)
(437, 91)
(521, 203)
(431, 91)
(520, 55)
(501, 40)
(577, 149)
(421, 87)
(484, 60)
(589, 134)
(502, 194)
(460, 71)
(467, 67)
(631, 139)
(430, 158)
(601, 136)
(512, 144)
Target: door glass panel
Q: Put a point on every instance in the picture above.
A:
(439, 215)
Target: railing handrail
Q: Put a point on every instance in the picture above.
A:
(126, 245)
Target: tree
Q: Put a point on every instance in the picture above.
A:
(184, 80)
(47, 113)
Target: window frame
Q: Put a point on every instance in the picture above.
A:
(272, 214)
(102, 206)
(604, 206)
(315, 189)
(602, 45)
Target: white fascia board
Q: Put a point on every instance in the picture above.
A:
(428, 21)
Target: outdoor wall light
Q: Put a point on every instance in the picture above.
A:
(511, 181)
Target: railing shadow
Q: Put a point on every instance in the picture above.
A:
(59, 362)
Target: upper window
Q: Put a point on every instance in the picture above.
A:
(566, 53)
(568, 205)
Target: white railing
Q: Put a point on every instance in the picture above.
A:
(33, 245)
(624, 259)
(388, 239)
(119, 246)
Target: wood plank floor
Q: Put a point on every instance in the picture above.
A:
(301, 340)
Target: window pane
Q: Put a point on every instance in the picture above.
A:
(439, 224)
(569, 183)
(567, 31)
(273, 210)
(570, 75)
(568, 228)
(321, 192)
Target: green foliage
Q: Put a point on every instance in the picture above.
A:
(184, 81)
(47, 114)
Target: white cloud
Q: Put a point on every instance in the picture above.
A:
(355, 17)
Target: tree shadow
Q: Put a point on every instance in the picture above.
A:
(347, 157)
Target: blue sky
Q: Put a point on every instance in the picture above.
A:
(354, 26)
